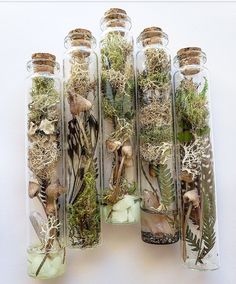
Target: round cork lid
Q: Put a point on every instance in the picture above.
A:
(80, 34)
(81, 37)
(43, 62)
(188, 57)
(115, 13)
(42, 57)
(189, 52)
(152, 35)
(115, 17)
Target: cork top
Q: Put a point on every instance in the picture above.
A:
(115, 17)
(42, 62)
(115, 13)
(80, 37)
(152, 35)
(190, 56)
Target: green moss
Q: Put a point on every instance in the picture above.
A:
(191, 106)
(84, 215)
(44, 98)
(115, 50)
(156, 75)
(156, 134)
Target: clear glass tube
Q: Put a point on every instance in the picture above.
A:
(44, 176)
(120, 197)
(159, 214)
(195, 161)
(82, 128)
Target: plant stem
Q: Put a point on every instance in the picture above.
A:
(200, 212)
(41, 264)
(152, 187)
(184, 231)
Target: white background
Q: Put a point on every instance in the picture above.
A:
(123, 258)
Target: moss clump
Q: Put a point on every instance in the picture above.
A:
(115, 51)
(44, 100)
(156, 134)
(84, 215)
(156, 75)
(191, 106)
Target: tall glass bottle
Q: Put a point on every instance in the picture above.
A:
(159, 222)
(82, 138)
(195, 162)
(120, 200)
(45, 181)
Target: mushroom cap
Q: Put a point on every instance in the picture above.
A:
(33, 188)
(112, 145)
(192, 196)
(78, 104)
(127, 151)
(54, 190)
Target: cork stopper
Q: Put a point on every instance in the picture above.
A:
(80, 37)
(153, 35)
(43, 62)
(115, 17)
(190, 58)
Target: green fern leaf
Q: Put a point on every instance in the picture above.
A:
(192, 240)
(166, 185)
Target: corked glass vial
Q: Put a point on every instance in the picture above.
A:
(195, 161)
(157, 182)
(44, 176)
(120, 198)
(81, 120)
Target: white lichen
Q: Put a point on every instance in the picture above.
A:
(49, 230)
(191, 156)
(159, 154)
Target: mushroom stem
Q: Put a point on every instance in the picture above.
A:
(184, 231)
(116, 164)
(120, 171)
(117, 188)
